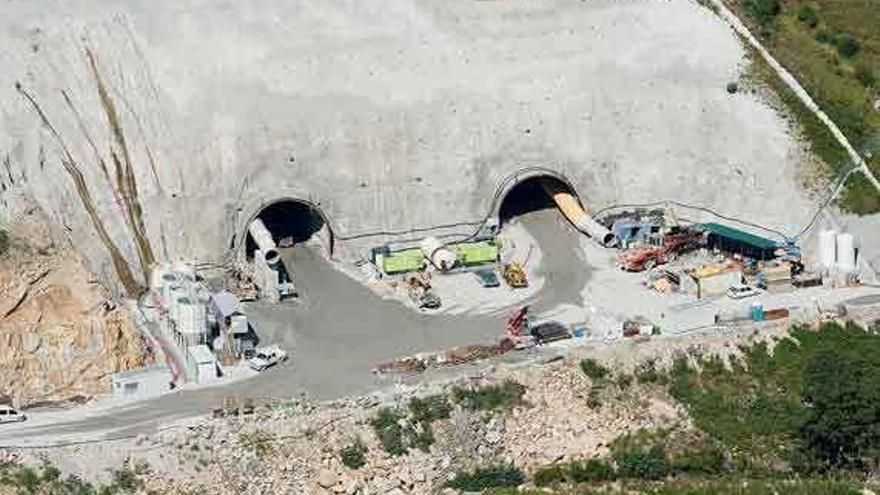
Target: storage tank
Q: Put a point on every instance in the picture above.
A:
(439, 255)
(846, 253)
(827, 251)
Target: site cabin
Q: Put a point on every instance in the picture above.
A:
(142, 382)
(201, 364)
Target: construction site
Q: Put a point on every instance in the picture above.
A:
(518, 183)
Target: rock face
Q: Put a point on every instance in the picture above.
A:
(180, 123)
(60, 337)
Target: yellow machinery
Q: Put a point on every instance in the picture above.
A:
(515, 275)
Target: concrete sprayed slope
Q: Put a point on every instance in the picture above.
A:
(390, 114)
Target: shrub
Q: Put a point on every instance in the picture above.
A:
(847, 46)
(591, 471)
(865, 75)
(824, 36)
(707, 460)
(429, 409)
(647, 372)
(764, 12)
(423, 437)
(353, 455)
(637, 463)
(388, 431)
(551, 475)
(492, 397)
(4, 242)
(593, 369)
(483, 478)
(807, 14)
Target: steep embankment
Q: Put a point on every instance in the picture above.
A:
(60, 336)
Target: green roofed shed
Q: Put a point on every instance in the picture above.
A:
(734, 240)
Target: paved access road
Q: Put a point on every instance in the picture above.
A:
(337, 333)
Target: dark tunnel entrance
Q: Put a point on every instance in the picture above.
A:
(531, 194)
(290, 222)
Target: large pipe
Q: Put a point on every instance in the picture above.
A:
(264, 241)
(572, 210)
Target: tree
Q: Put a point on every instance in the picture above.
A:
(842, 429)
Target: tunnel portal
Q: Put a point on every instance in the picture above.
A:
(289, 222)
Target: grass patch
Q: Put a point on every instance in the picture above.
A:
(703, 486)
(492, 397)
(805, 405)
(833, 48)
(480, 479)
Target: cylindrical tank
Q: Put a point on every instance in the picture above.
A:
(264, 241)
(595, 230)
(827, 253)
(846, 253)
(439, 255)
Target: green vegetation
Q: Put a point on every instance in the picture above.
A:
(4, 242)
(708, 486)
(833, 48)
(805, 405)
(399, 432)
(493, 397)
(591, 471)
(354, 455)
(484, 478)
(260, 442)
(593, 369)
(47, 480)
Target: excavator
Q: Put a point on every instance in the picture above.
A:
(518, 329)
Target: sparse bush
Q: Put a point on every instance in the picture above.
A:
(865, 75)
(637, 463)
(593, 369)
(623, 381)
(484, 478)
(847, 46)
(763, 12)
(824, 36)
(4, 242)
(508, 394)
(647, 373)
(707, 460)
(428, 409)
(590, 471)
(807, 14)
(388, 431)
(354, 455)
(551, 475)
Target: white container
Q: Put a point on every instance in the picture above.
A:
(827, 249)
(440, 256)
(846, 253)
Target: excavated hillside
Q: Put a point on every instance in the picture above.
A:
(60, 334)
(152, 133)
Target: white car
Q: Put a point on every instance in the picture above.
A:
(266, 357)
(742, 291)
(9, 414)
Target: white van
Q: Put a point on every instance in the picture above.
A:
(9, 414)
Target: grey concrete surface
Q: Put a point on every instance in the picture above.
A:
(336, 334)
(389, 114)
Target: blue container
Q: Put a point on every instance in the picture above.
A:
(579, 332)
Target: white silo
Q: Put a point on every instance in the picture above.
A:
(846, 253)
(827, 252)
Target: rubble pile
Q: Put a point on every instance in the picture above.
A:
(295, 446)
